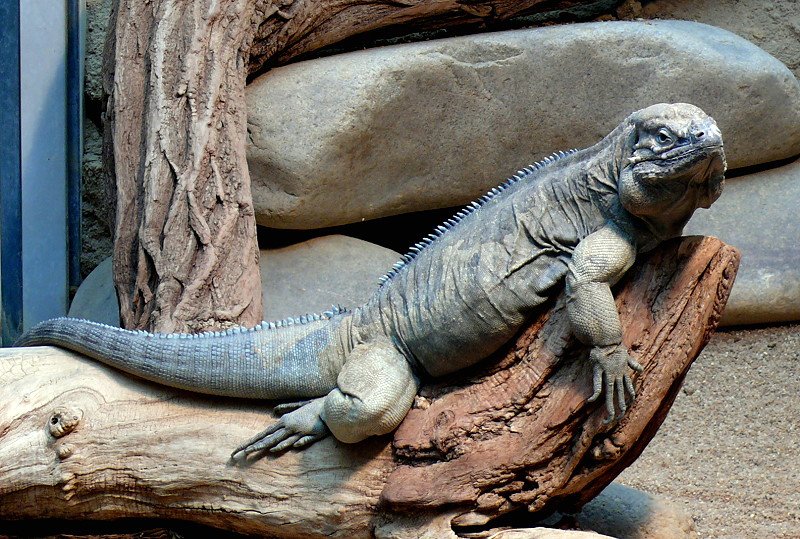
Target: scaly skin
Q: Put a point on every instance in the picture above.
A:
(578, 218)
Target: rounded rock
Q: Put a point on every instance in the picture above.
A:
(435, 124)
(757, 213)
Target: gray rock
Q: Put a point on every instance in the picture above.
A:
(758, 213)
(546, 533)
(773, 26)
(311, 276)
(303, 278)
(434, 124)
(621, 511)
(96, 298)
(96, 213)
(98, 13)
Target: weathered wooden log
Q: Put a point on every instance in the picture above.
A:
(82, 441)
(185, 246)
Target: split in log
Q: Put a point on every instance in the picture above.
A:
(81, 441)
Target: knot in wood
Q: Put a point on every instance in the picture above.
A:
(63, 421)
(65, 451)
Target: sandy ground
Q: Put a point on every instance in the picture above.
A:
(729, 451)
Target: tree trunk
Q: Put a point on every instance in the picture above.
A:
(79, 440)
(185, 247)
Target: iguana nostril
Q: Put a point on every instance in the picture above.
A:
(699, 134)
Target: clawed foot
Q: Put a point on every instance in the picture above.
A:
(610, 365)
(299, 426)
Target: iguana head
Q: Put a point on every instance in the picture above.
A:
(672, 164)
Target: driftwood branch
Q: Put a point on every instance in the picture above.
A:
(79, 440)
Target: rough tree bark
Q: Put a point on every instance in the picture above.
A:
(79, 440)
(185, 248)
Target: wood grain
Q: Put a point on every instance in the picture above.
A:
(185, 246)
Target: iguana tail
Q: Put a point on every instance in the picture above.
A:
(297, 357)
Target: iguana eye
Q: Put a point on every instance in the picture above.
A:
(664, 136)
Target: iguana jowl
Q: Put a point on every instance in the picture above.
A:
(578, 217)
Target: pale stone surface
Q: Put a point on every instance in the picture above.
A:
(773, 26)
(303, 278)
(434, 124)
(313, 275)
(758, 214)
(621, 511)
(96, 298)
(547, 533)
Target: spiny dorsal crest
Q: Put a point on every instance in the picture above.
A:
(304, 319)
(265, 325)
(442, 229)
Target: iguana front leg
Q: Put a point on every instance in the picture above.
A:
(598, 262)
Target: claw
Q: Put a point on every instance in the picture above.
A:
(620, 391)
(597, 383)
(629, 386)
(633, 364)
(286, 444)
(246, 446)
(609, 396)
(610, 377)
(305, 440)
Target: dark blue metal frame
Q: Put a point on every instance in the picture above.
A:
(75, 48)
(10, 175)
(11, 241)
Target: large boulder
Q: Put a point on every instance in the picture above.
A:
(618, 511)
(96, 298)
(434, 124)
(546, 533)
(314, 275)
(758, 214)
(302, 278)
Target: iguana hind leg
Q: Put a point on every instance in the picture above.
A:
(375, 390)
